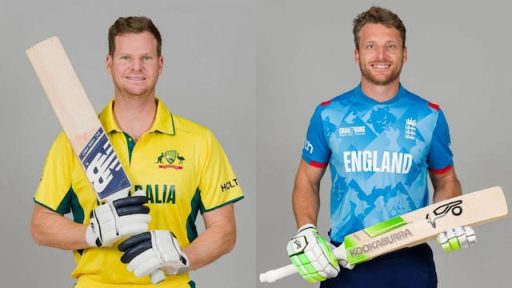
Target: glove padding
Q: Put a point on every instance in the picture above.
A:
(149, 251)
(119, 218)
(312, 255)
(456, 238)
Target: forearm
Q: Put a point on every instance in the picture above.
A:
(306, 204)
(305, 196)
(446, 186)
(54, 230)
(210, 245)
(218, 238)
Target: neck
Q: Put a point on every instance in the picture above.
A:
(134, 115)
(380, 93)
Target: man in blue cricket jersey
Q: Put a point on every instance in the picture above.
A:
(381, 142)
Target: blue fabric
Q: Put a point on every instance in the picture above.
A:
(378, 153)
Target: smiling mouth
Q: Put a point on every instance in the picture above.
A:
(136, 78)
(381, 66)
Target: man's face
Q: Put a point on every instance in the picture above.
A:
(380, 55)
(135, 65)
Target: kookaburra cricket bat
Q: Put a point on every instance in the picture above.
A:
(413, 228)
(80, 122)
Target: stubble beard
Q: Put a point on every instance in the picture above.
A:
(367, 75)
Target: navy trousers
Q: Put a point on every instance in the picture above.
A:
(407, 268)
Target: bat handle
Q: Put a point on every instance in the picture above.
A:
(273, 275)
(279, 273)
(157, 276)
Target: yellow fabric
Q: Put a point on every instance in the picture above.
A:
(179, 164)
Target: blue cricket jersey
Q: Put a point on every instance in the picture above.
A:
(379, 154)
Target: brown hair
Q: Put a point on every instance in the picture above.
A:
(378, 15)
(132, 24)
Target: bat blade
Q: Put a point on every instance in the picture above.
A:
(78, 119)
(425, 224)
(413, 228)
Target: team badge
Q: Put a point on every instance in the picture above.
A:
(170, 159)
(410, 129)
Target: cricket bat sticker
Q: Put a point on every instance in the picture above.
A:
(102, 166)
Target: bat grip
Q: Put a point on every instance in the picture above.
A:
(273, 275)
(157, 276)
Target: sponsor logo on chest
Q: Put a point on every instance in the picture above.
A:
(352, 131)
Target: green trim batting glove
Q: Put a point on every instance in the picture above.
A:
(312, 255)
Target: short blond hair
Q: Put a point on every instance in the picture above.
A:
(378, 15)
(133, 24)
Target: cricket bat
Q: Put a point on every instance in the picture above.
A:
(80, 123)
(413, 228)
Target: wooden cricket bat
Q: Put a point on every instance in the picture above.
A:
(413, 228)
(80, 123)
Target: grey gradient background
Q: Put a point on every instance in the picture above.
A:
(208, 77)
(459, 57)
(253, 71)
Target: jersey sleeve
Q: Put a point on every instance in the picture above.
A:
(56, 179)
(218, 184)
(440, 157)
(316, 151)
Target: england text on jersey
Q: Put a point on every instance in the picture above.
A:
(376, 161)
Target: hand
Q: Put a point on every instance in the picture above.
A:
(456, 238)
(312, 255)
(150, 251)
(119, 218)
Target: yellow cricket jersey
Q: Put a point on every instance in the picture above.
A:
(179, 164)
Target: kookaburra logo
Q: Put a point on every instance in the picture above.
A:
(298, 244)
(381, 242)
(454, 207)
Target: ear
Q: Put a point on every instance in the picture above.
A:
(108, 63)
(160, 64)
(405, 55)
(356, 56)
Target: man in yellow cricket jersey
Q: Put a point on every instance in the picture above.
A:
(179, 164)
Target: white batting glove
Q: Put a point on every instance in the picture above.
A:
(456, 238)
(117, 219)
(312, 255)
(158, 249)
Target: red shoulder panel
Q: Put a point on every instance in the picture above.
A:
(434, 106)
